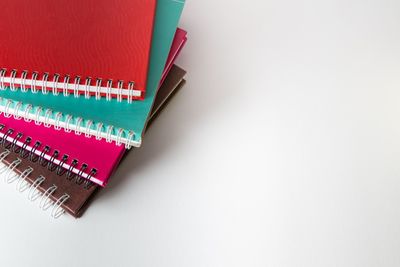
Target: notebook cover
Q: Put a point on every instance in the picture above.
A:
(80, 154)
(92, 38)
(179, 42)
(112, 120)
(79, 193)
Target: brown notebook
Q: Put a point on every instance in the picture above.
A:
(55, 188)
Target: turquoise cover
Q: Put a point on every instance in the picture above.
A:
(120, 115)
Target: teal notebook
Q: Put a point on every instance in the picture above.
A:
(119, 122)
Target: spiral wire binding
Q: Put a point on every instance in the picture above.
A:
(11, 176)
(78, 128)
(24, 153)
(21, 181)
(3, 155)
(77, 87)
(22, 185)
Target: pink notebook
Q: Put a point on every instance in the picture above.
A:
(91, 159)
(179, 42)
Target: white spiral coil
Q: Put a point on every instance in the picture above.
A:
(16, 111)
(37, 116)
(27, 112)
(22, 185)
(7, 113)
(44, 83)
(10, 175)
(34, 81)
(55, 81)
(12, 80)
(23, 79)
(77, 124)
(34, 192)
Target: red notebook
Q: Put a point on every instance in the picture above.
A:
(81, 47)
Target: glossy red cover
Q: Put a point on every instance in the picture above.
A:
(87, 38)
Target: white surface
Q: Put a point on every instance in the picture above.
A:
(282, 150)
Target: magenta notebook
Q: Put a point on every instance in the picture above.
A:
(92, 159)
(179, 42)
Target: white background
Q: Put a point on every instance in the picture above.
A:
(283, 149)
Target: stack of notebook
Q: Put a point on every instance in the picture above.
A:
(80, 82)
